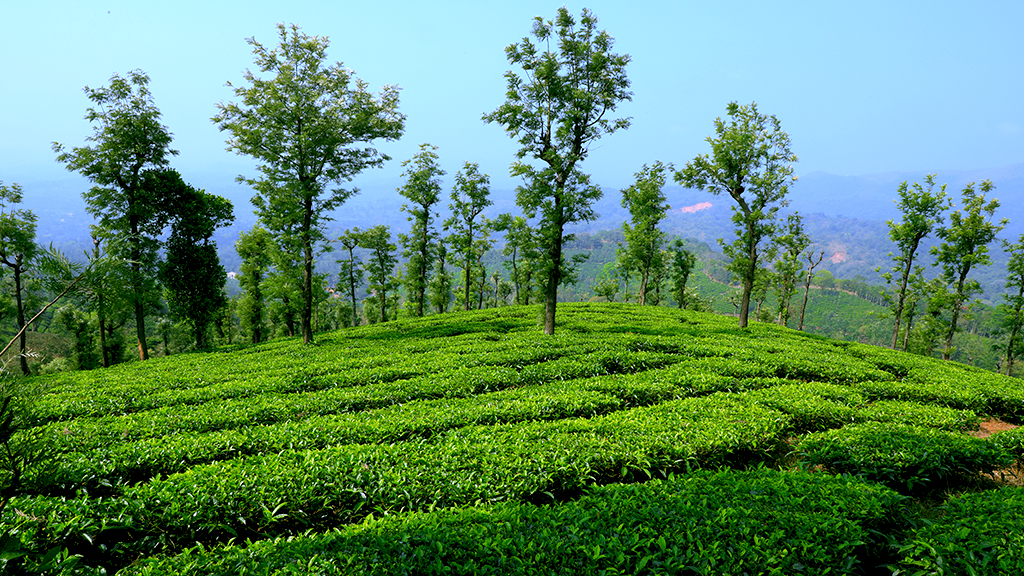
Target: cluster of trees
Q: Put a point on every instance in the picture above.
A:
(152, 242)
(927, 312)
(311, 127)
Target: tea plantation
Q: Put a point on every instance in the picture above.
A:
(634, 441)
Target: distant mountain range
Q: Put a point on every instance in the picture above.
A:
(845, 215)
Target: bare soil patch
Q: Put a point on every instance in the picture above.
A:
(1012, 476)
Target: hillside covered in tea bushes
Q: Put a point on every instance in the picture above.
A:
(636, 440)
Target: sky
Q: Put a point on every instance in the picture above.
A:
(861, 87)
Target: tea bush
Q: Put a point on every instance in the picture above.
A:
(755, 522)
(912, 459)
(979, 533)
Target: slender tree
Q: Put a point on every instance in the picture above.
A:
(647, 207)
(254, 248)
(350, 275)
(792, 242)
(683, 263)
(812, 263)
(964, 246)
(423, 190)
(18, 249)
(309, 125)
(557, 107)
(922, 208)
(522, 249)
(751, 161)
(440, 289)
(1014, 300)
(470, 229)
(381, 265)
(127, 165)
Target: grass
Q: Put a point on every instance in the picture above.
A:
(400, 439)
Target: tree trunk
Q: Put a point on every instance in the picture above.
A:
(23, 338)
(1013, 333)
(352, 284)
(306, 319)
(900, 298)
(958, 301)
(554, 277)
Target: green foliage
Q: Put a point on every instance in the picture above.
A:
(306, 125)
(977, 534)
(752, 162)
(922, 210)
(792, 243)
(965, 246)
(647, 206)
(128, 164)
(423, 189)
(255, 248)
(23, 451)
(759, 521)
(1014, 319)
(470, 229)
(522, 247)
(18, 250)
(285, 446)
(350, 274)
(683, 263)
(380, 268)
(912, 459)
(191, 272)
(560, 104)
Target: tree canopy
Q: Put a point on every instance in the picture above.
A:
(309, 125)
(127, 163)
(751, 161)
(556, 107)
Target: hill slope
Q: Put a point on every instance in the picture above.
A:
(635, 439)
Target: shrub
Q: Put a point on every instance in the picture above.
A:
(755, 522)
(979, 533)
(907, 458)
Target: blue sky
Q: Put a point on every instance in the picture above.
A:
(861, 87)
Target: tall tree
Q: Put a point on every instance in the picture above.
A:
(191, 273)
(1014, 300)
(470, 230)
(751, 161)
(791, 243)
(922, 208)
(423, 190)
(647, 206)
(350, 274)
(964, 246)
(556, 108)
(127, 163)
(254, 248)
(309, 125)
(380, 266)
(18, 249)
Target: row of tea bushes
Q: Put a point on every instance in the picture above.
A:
(272, 407)
(755, 522)
(297, 490)
(113, 464)
(912, 459)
